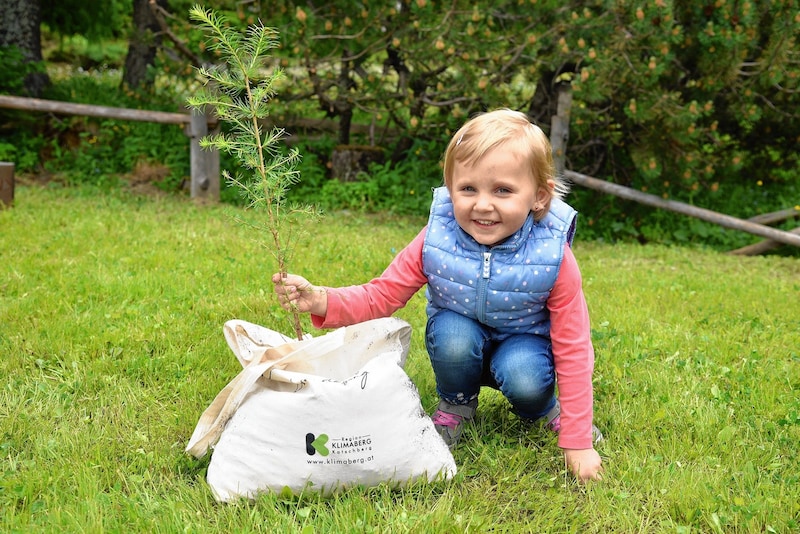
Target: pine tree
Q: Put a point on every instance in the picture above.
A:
(239, 90)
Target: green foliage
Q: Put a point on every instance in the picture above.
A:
(86, 55)
(22, 149)
(7, 152)
(401, 188)
(95, 150)
(680, 99)
(78, 149)
(111, 308)
(94, 20)
(420, 67)
(689, 101)
(15, 69)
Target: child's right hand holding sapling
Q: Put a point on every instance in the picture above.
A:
(295, 293)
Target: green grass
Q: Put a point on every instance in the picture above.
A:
(111, 313)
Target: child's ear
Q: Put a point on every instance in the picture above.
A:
(544, 194)
(543, 197)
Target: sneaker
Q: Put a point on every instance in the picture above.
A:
(449, 419)
(553, 422)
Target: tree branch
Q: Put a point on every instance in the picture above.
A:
(160, 13)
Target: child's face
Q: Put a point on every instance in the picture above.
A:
(493, 197)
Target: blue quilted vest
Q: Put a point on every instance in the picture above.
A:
(504, 286)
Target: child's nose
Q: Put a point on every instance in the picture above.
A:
(484, 203)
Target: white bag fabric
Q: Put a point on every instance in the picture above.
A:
(321, 414)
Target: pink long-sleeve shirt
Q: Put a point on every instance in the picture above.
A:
(570, 331)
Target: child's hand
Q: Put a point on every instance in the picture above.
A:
(585, 464)
(295, 293)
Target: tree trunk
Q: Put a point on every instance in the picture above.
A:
(19, 26)
(347, 161)
(143, 45)
(345, 121)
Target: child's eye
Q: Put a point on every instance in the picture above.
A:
(503, 190)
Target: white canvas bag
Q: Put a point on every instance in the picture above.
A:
(319, 415)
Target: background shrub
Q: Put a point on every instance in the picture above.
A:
(693, 102)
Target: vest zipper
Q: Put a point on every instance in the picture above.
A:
(480, 304)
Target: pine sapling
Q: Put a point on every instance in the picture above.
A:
(239, 90)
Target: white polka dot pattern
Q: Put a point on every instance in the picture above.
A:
(505, 286)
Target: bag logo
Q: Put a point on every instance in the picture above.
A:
(316, 444)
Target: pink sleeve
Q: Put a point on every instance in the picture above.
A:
(570, 333)
(380, 297)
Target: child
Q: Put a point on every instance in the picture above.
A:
(505, 304)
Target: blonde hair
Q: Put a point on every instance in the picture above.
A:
(515, 131)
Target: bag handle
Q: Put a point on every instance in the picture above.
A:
(213, 420)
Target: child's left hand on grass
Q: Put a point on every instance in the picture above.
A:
(585, 464)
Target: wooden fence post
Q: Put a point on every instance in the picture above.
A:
(204, 164)
(6, 184)
(559, 127)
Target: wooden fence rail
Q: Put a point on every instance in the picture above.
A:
(773, 234)
(204, 164)
(559, 134)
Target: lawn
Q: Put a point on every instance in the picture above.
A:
(111, 314)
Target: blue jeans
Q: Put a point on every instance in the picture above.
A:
(466, 354)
